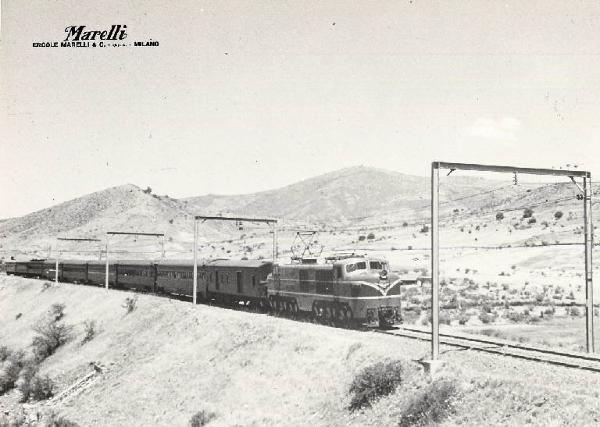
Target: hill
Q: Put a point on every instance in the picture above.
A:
(167, 360)
(345, 202)
(340, 195)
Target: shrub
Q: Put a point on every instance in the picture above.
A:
(202, 418)
(370, 236)
(5, 353)
(89, 327)
(57, 311)
(575, 312)
(558, 215)
(41, 388)
(424, 229)
(51, 335)
(515, 316)
(463, 318)
(55, 420)
(527, 213)
(9, 374)
(130, 304)
(486, 317)
(148, 190)
(373, 382)
(361, 238)
(431, 405)
(531, 220)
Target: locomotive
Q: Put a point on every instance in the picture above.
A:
(344, 290)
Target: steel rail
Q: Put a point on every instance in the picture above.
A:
(543, 355)
(519, 346)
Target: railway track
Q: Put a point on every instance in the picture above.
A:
(569, 359)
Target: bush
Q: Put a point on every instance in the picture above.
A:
(527, 213)
(148, 190)
(558, 215)
(89, 327)
(55, 420)
(531, 220)
(130, 304)
(57, 311)
(424, 229)
(361, 238)
(430, 405)
(51, 335)
(515, 316)
(41, 388)
(28, 371)
(373, 382)
(463, 318)
(575, 312)
(370, 236)
(9, 374)
(486, 317)
(202, 418)
(499, 216)
(5, 353)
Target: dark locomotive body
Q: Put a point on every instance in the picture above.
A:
(344, 290)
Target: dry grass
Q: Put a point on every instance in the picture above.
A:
(248, 368)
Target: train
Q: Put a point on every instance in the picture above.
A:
(343, 289)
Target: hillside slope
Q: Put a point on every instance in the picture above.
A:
(339, 195)
(167, 360)
(359, 198)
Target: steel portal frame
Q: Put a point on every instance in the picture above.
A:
(129, 233)
(435, 248)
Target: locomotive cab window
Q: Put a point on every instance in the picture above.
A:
(362, 265)
(375, 265)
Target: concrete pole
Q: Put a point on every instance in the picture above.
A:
(275, 242)
(107, 270)
(435, 262)
(588, 240)
(56, 268)
(195, 260)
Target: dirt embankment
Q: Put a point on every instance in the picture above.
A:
(166, 360)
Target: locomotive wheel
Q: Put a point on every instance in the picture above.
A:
(330, 315)
(347, 314)
(316, 313)
(293, 309)
(340, 315)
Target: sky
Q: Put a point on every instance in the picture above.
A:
(244, 96)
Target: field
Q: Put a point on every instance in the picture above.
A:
(167, 360)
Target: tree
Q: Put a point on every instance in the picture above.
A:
(499, 216)
(558, 214)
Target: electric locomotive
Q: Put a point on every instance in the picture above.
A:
(345, 289)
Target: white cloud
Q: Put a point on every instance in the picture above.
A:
(504, 128)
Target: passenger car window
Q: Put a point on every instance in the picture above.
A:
(361, 265)
(375, 265)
